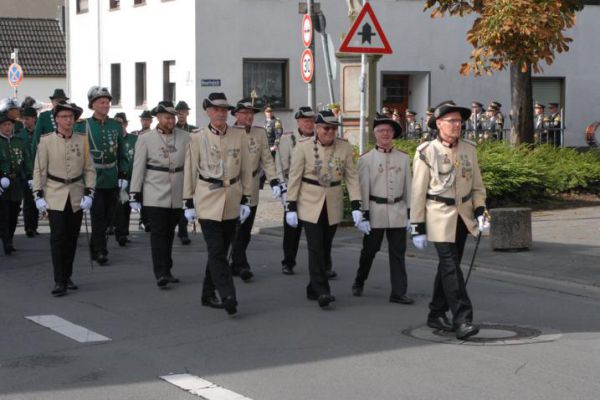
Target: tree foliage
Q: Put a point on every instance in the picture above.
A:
(523, 33)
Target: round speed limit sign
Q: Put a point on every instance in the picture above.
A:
(307, 65)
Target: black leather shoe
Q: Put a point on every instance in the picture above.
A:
(11, 248)
(110, 230)
(211, 301)
(71, 285)
(246, 274)
(7, 250)
(357, 290)
(30, 233)
(59, 290)
(324, 300)
(440, 323)
(331, 274)
(162, 281)
(122, 241)
(466, 330)
(401, 300)
(172, 279)
(287, 270)
(101, 258)
(185, 240)
(230, 305)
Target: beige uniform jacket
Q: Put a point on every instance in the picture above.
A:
(158, 168)
(260, 157)
(64, 159)
(221, 159)
(434, 166)
(328, 165)
(385, 176)
(283, 157)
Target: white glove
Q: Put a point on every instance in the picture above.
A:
(357, 216)
(41, 205)
(483, 224)
(30, 184)
(86, 203)
(291, 218)
(420, 241)
(364, 227)
(136, 206)
(190, 214)
(408, 227)
(244, 213)
(4, 183)
(122, 184)
(123, 196)
(276, 191)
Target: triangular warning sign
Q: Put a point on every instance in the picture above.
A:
(366, 35)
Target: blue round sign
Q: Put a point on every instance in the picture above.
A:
(15, 75)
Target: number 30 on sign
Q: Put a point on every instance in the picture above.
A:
(307, 65)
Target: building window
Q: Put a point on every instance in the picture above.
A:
(114, 4)
(268, 79)
(169, 80)
(140, 84)
(82, 6)
(139, 2)
(548, 90)
(115, 84)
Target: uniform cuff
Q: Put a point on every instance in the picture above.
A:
(38, 194)
(245, 200)
(366, 215)
(479, 212)
(188, 203)
(123, 175)
(89, 192)
(135, 197)
(291, 206)
(408, 213)
(274, 182)
(355, 204)
(418, 229)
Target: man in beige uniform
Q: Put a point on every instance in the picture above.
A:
(217, 189)
(64, 179)
(261, 158)
(385, 184)
(305, 118)
(315, 196)
(448, 203)
(157, 180)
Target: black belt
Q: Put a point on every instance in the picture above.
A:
(163, 169)
(383, 200)
(446, 200)
(317, 183)
(67, 181)
(218, 182)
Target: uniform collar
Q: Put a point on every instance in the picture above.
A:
(300, 134)
(159, 130)
(217, 131)
(60, 135)
(246, 128)
(99, 121)
(6, 137)
(316, 140)
(382, 150)
(446, 144)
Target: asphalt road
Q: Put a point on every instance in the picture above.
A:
(280, 345)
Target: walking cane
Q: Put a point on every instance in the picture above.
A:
(473, 259)
(87, 235)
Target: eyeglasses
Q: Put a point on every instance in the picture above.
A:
(329, 128)
(452, 121)
(68, 116)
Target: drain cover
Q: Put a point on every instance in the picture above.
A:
(490, 334)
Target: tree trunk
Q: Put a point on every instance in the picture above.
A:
(521, 112)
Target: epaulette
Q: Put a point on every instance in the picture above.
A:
(469, 142)
(365, 153)
(304, 139)
(423, 146)
(287, 133)
(46, 134)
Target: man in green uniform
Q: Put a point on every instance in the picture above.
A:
(183, 111)
(10, 106)
(14, 176)
(123, 210)
(30, 212)
(105, 138)
(45, 123)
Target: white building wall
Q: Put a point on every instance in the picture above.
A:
(153, 33)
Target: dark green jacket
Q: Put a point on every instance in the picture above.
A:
(128, 151)
(27, 136)
(105, 141)
(45, 124)
(187, 127)
(16, 166)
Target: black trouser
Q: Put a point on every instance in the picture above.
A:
(396, 248)
(102, 214)
(30, 211)
(162, 233)
(64, 230)
(449, 291)
(9, 215)
(144, 218)
(291, 241)
(182, 226)
(218, 236)
(122, 217)
(241, 239)
(319, 238)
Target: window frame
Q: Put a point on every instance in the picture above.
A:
(285, 76)
(141, 85)
(115, 90)
(79, 9)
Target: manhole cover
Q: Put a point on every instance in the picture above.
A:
(490, 334)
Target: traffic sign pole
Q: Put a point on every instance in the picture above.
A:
(312, 92)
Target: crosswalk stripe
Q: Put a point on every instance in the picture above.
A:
(68, 329)
(201, 387)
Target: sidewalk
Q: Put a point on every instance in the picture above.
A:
(566, 244)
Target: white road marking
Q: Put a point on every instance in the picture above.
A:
(202, 387)
(69, 329)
